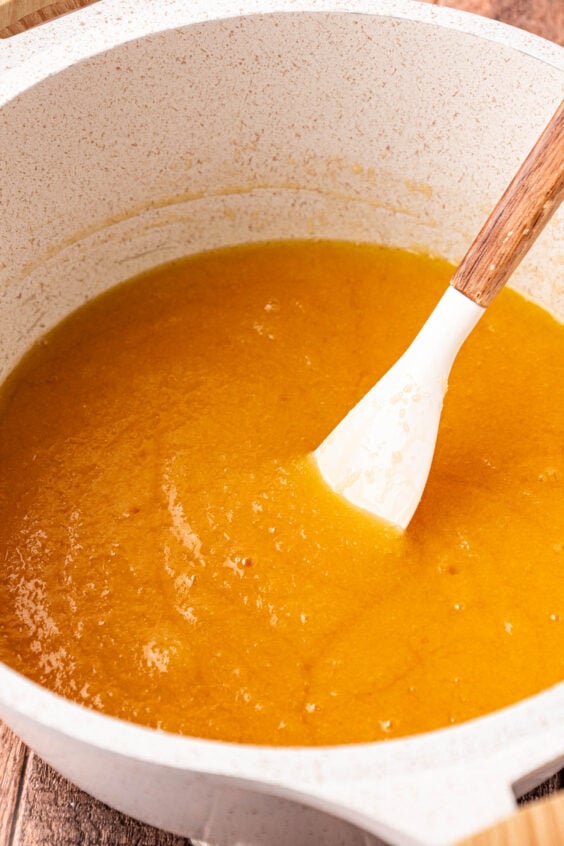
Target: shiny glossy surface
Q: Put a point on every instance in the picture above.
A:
(172, 557)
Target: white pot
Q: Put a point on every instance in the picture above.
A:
(134, 132)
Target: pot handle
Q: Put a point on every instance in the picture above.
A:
(443, 805)
(19, 15)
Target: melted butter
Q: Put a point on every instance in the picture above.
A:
(171, 557)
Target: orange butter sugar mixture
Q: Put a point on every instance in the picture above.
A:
(170, 555)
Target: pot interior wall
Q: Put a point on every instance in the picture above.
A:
(284, 125)
(317, 125)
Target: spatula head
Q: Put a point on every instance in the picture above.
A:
(380, 454)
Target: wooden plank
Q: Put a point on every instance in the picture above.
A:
(551, 785)
(13, 760)
(52, 812)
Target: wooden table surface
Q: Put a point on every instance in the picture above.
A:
(37, 806)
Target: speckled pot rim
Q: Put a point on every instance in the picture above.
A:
(518, 738)
(34, 55)
(540, 713)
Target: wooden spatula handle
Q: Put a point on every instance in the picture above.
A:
(539, 824)
(18, 15)
(518, 218)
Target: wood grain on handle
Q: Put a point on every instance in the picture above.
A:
(538, 824)
(19, 15)
(517, 219)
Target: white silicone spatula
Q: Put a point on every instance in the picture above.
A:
(379, 455)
